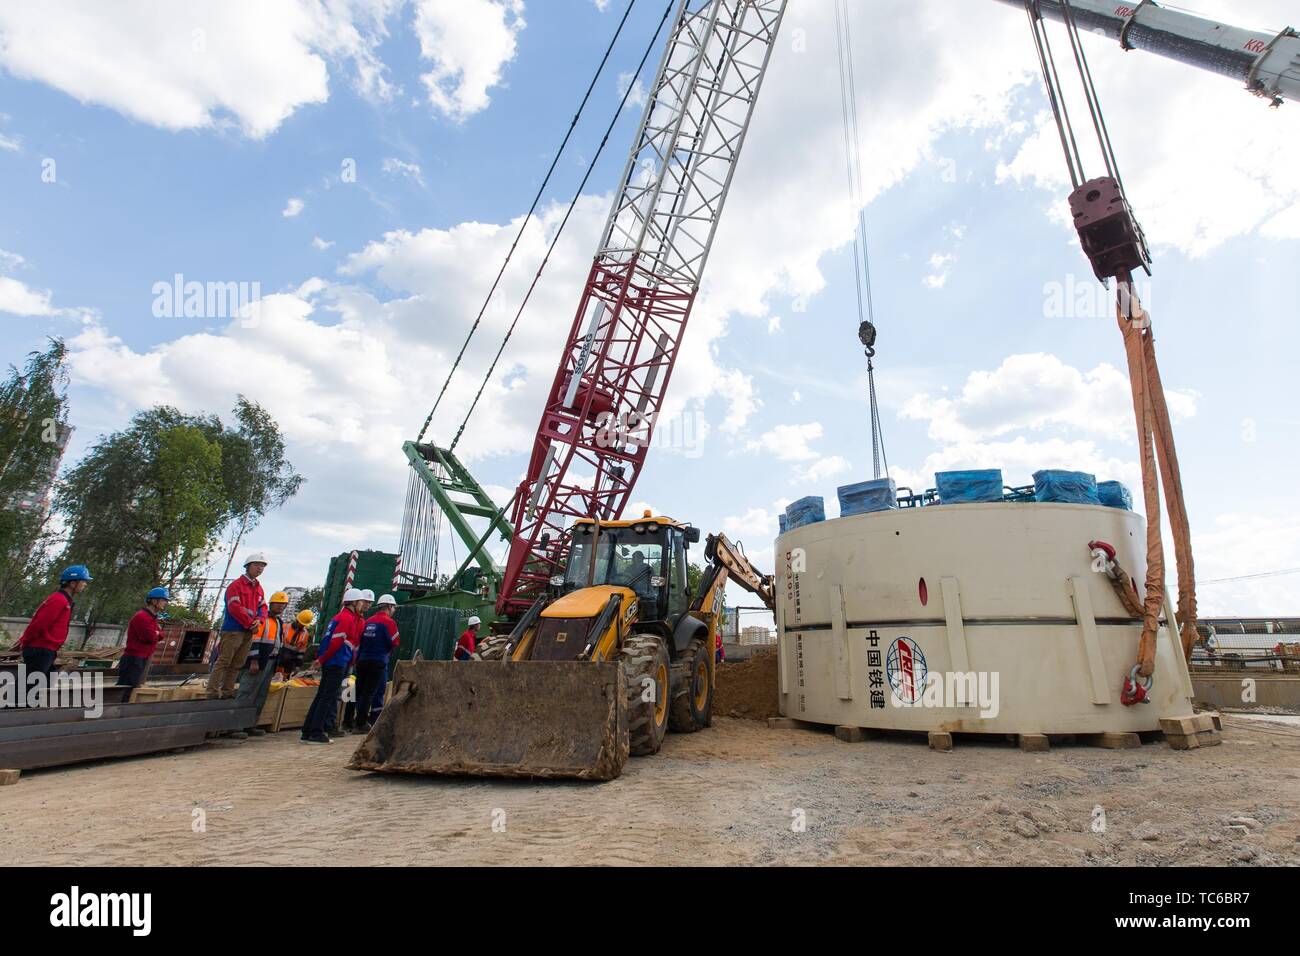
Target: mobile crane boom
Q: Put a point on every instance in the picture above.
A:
(1268, 64)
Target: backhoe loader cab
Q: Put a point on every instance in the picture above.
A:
(646, 556)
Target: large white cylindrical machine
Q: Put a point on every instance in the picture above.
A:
(974, 618)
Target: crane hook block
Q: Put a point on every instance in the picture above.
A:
(867, 336)
(1108, 231)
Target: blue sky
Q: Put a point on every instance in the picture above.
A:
(182, 139)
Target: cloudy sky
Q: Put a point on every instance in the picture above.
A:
(366, 164)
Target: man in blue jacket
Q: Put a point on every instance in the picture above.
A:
(378, 641)
(338, 649)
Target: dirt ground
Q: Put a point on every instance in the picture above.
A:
(739, 793)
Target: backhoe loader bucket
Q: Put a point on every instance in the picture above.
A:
(501, 719)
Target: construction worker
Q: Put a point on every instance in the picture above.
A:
(337, 651)
(263, 658)
(142, 636)
(297, 636)
(378, 640)
(245, 607)
(46, 632)
(467, 645)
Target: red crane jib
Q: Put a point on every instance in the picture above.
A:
(587, 454)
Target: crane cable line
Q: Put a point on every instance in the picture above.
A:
(528, 218)
(861, 253)
(577, 194)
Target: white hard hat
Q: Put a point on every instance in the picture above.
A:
(386, 599)
(256, 556)
(368, 595)
(353, 594)
(473, 621)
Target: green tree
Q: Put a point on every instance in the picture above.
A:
(146, 505)
(258, 476)
(33, 432)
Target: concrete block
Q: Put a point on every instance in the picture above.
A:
(850, 735)
(1034, 743)
(939, 740)
(8, 777)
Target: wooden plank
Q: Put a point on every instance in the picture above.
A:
(1118, 741)
(940, 740)
(1083, 613)
(782, 723)
(850, 735)
(958, 656)
(1034, 743)
(9, 777)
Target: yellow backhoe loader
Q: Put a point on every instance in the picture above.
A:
(619, 652)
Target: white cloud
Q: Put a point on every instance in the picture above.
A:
(8, 143)
(19, 299)
(185, 66)
(321, 244)
(397, 167)
(940, 266)
(467, 43)
(1033, 392)
(774, 325)
(822, 469)
(292, 208)
(788, 442)
(1241, 543)
(636, 99)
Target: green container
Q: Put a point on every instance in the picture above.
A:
(432, 631)
(374, 571)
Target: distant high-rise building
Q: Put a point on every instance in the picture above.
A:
(40, 496)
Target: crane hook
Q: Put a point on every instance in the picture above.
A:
(867, 336)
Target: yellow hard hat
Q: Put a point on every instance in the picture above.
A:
(305, 618)
(279, 597)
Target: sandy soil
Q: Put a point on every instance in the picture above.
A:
(734, 794)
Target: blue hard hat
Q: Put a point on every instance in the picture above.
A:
(157, 593)
(77, 572)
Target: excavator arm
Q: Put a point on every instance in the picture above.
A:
(727, 562)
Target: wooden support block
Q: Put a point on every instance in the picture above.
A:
(782, 723)
(1187, 725)
(941, 741)
(8, 777)
(1206, 738)
(1118, 741)
(850, 735)
(1034, 743)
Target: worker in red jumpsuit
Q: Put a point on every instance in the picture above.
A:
(142, 636)
(467, 646)
(48, 629)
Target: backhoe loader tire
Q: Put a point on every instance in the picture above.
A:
(692, 706)
(645, 665)
(492, 648)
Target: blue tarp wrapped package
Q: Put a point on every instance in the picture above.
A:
(1066, 487)
(780, 520)
(863, 497)
(808, 510)
(964, 487)
(1113, 494)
